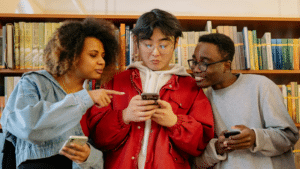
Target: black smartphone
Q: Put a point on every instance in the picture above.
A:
(231, 133)
(150, 96)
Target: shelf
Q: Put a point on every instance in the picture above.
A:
(11, 72)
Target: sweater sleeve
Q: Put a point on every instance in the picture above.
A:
(29, 117)
(209, 157)
(193, 131)
(279, 133)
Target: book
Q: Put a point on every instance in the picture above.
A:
(41, 44)
(255, 52)
(250, 41)
(246, 47)
(259, 54)
(17, 44)
(191, 43)
(35, 45)
(9, 46)
(28, 46)
(294, 94)
(208, 27)
(264, 55)
(48, 32)
(236, 57)
(279, 63)
(290, 54)
(274, 57)
(123, 46)
(289, 100)
(284, 51)
(3, 46)
(127, 45)
(241, 51)
(267, 40)
(22, 45)
(184, 50)
(296, 54)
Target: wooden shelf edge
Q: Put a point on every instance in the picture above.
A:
(262, 71)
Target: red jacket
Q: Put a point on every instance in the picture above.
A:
(167, 147)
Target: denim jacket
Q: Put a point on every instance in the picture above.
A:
(40, 116)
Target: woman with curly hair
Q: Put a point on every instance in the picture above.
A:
(46, 106)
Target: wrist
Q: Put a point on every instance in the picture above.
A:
(124, 116)
(218, 148)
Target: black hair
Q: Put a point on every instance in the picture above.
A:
(66, 44)
(223, 42)
(156, 18)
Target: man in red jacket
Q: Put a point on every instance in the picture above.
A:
(136, 133)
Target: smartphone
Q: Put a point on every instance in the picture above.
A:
(80, 140)
(231, 133)
(150, 96)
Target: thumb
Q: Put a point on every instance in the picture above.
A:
(239, 127)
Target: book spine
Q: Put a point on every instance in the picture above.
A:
(296, 54)
(250, 39)
(279, 54)
(28, 45)
(17, 44)
(123, 46)
(256, 65)
(41, 44)
(246, 48)
(22, 45)
(35, 45)
(10, 46)
(274, 57)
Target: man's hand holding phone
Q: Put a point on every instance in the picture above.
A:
(139, 110)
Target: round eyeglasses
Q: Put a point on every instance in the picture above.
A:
(202, 65)
(163, 48)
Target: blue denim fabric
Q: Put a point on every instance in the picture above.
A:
(39, 116)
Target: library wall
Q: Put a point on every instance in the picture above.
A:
(251, 8)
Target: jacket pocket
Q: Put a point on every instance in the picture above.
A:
(175, 155)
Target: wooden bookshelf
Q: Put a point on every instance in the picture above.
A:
(278, 26)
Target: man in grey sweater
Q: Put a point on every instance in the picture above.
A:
(251, 104)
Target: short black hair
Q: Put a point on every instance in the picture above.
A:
(224, 43)
(156, 18)
(66, 44)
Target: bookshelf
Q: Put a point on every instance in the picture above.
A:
(279, 28)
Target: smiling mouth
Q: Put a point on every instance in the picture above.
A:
(99, 71)
(198, 79)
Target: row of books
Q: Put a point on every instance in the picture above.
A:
(23, 44)
(10, 83)
(291, 95)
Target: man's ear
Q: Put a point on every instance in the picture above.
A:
(228, 65)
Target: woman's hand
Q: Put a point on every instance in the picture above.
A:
(138, 110)
(101, 97)
(164, 114)
(76, 153)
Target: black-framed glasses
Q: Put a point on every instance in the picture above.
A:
(202, 65)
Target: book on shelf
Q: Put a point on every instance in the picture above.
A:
(251, 54)
(17, 44)
(296, 54)
(9, 46)
(274, 57)
(184, 49)
(127, 45)
(236, 58)
(35, 45)
(3, 47)
(28, 45)
(259, 54)
(2, 65)
(290, 53)
(255, 52)
(279, 57)
(241, 55)
(22, 45)
(123, 46)
(41, 44)
(246, 47)
(191, 43)
(208, 26)
(267, 41)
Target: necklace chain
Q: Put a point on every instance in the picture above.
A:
(66, 89)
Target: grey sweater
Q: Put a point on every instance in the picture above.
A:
(256, 102)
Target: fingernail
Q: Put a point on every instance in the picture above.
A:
(122, 92)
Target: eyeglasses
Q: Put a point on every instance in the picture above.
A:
(163, 48)
(202, 65)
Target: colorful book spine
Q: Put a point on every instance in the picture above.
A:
(9, 46)
(259, 54)
(256, 65)
(285, 56)
(274, 57)
(279, 63)
(123, 46)
(127, 45)
(242, 51)
(237, 48)
(290, 57)
(250, 39)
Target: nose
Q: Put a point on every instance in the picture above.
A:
(155, 52)
(101, 61)
(196, 69)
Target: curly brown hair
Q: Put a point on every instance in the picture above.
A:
(65, 47)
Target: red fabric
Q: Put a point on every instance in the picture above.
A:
(167, 147)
